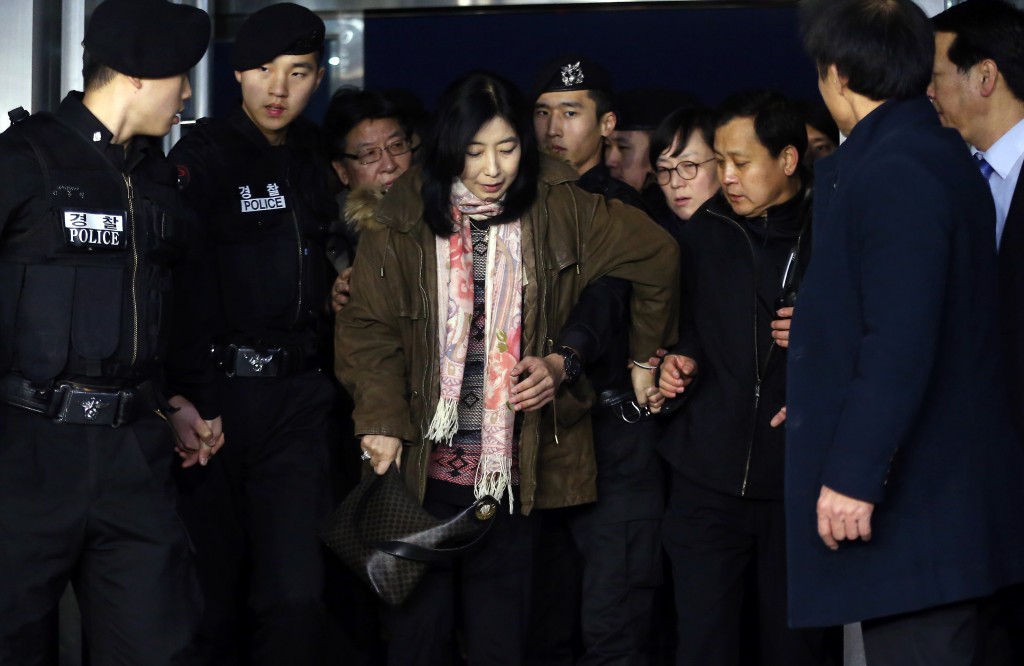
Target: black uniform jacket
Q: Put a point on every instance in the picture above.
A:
(266, 211)
(732, 275)
(89, 234)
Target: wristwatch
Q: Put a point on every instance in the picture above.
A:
(573, 365)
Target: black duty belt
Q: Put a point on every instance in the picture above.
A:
(252, 361)
(82, 404)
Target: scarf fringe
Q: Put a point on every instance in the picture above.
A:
(445, 423)
(493, 477)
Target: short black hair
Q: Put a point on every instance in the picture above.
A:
(350, 106)
(678, 126)
(885, 48)
(778, 123)
(466, 106)
(94, 73)
(603, 101)
(986, 30)
(817, 115)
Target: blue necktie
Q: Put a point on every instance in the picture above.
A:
(983, 166)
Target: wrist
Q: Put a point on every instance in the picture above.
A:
(571, 364)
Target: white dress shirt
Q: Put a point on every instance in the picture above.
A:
(1005, 157)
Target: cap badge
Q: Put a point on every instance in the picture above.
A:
(572, 75)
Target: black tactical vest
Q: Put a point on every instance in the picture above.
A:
(84, 291)
(267, 217)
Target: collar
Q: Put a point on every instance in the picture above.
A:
(1005, 152)
(240, 121)
(595, 178)
(76, 115)
(301, 133)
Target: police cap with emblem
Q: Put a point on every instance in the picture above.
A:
(572, 73)
(281, 29)
(151, 39)
(645, 108)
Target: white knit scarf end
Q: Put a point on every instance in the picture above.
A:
(493, 477)
(445, 423)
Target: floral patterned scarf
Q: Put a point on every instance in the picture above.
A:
(502, 335)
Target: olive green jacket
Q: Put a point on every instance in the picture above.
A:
(386, 345)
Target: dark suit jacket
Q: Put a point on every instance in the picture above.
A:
(1011, 303)
(895, 389)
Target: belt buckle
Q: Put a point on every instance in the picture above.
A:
(250, 362)
(83, 406)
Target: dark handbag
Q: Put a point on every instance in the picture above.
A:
(382, 533)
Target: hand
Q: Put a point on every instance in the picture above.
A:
(342, 290)
(780, 327)
(779, 418)
(383, 451)
(541, 378)
(841, 517)
(196, 438)
(677, 373)
(643, 387)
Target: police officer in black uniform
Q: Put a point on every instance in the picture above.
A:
(259, 183)
(618, 537)
(91, 225)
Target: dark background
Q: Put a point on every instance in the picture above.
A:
(708, 51)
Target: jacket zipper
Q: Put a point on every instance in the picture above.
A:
(135, 267)
(757, 364)
(298, 244)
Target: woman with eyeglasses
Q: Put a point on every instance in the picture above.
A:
(466, 271)
(683, 159)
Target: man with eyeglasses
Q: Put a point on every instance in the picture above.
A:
(742, 254)
(368, 142)
(261, 185)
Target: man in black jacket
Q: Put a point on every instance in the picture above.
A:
(260, 185)
(93, 237)
(742, 257)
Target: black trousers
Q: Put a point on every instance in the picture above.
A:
(485, 594)
(720, 546)
(944, 636)
(93, 505)
(253, 514)
(619, 540)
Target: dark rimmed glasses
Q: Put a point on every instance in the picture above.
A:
(372, 155)
(686, 171)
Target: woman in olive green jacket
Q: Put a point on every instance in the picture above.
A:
(466, 271)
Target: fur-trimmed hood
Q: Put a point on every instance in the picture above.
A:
(361, 208)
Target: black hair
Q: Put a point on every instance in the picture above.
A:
(678, 126)
(777, 121)
(350, 106)
(986, 30)
(885, 48)
(603, 101)
(94, 73)
(466, 106)
(817, 115)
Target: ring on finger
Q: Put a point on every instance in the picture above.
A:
(366, 455)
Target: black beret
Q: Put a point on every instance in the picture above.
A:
(151, 39)
(281, 29)
(645, 108)
(572, 73)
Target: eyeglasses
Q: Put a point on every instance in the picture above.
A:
(372, 155)
(686, 171)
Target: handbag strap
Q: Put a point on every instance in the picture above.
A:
(485, 506)
(411, 551)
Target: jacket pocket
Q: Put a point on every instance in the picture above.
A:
(43, 324)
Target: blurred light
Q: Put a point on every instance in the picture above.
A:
(334, 60)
